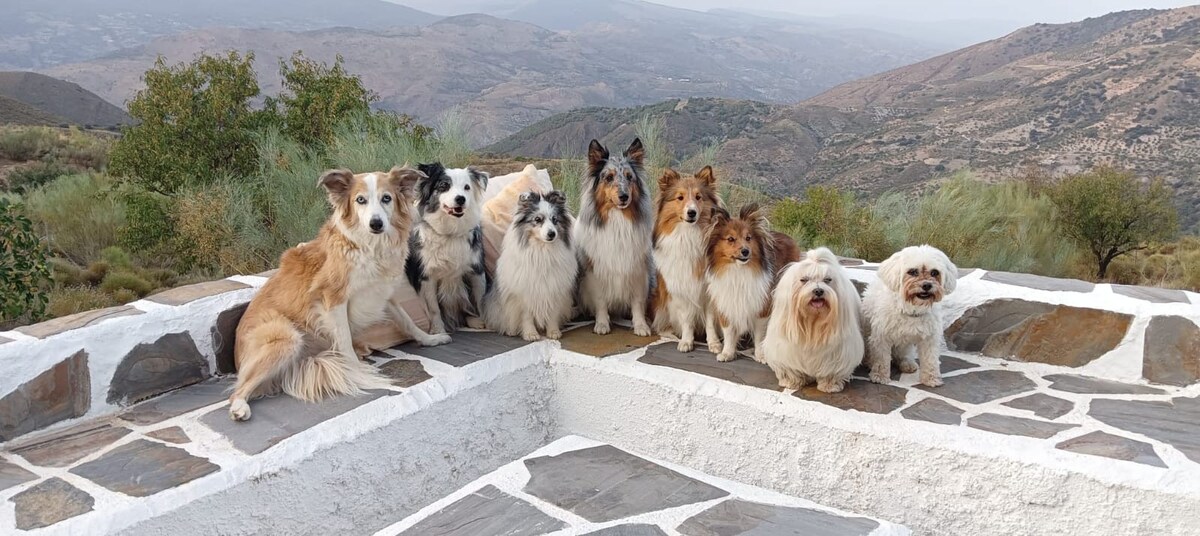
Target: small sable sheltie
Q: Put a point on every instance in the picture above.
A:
(685, 213)
(297, 333)
(815, 332)
(445, 259)
(744, 256)
(613, 235)
(535, 275)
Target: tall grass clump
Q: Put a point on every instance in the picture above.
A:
(23, 144)
(78, 215)
(652, 131)
(219, 230)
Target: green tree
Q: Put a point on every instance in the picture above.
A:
(317, 96)
(24, 273)
(195, 122)
(1111, 213)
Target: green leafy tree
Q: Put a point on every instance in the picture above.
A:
(24, 272)
(195, 122)
(1111, 213)
(317, 96)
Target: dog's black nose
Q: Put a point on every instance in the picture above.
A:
(745, 252)
(820, 292)
(691, 215)
(460, 200)
(623, 197)
(927, 287)
(376, 224)
(551, 234)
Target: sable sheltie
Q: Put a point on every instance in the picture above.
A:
(445, 259)
(744, 256)
(815, 332)
(536, 272)
(613, 236)
(685, 212)
(297, 334)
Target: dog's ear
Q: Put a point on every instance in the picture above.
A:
(752, 213)
(406, 179)
(706, 175)
(891, 272)
(667, 180)
(336, 183)
(432, 169)
(528, 199)
(480, 178)
(635, 152)
(556, 198)
(597, 154)
(949, 271)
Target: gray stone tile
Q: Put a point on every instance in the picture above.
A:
(745, 518)
(179, 401)
(952, 364)
(935, 411)
(1003, 424)
(1039, 282)
(404, 372)
(172, 434)
(1074, 383)
(1020, 330)
(1113, 446)
(151, 369)
(1042, 405)
(1171, 353)
(859, 395)
(50, 502)
(63, 324)
(982, 386)
(12, 475)
(1152, 295)
(486, 512)
(864, 371)
(742, 370)
(621, 340)
(1176, 423)
(142, 468)
(605, 483)
(466, 347)
(224, 335)
(69, 446)
(629, 530)
(61, 393)
(277, 418)
(191, 293)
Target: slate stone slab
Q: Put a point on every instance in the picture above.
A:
(1003, 424)
(1039, 282)
(172, 434)
(605, 483)
(742, 370)
(63, 392)
(1176, 423)
(621, 340)
(150, 369)
(50, 502)
(71, 445)
(1171, 353)
(142, 468)
(982, 386)
(1042, 405)
(179, 401)
(487, 511)
(12, 475)
(860, 395)
(935, 411)
(1113, 446)
(629, 530)
(864, 372)
(1074, 383)
(404, 372)
(466, 347)
(1019, 330)
(63, 324)
(277, 418)
(191, 293)
(952, 364)
(1152, 295)
(224, 336)
(745, 518)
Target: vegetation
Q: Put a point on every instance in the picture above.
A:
(24, 274)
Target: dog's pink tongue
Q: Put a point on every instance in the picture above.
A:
(817, 304)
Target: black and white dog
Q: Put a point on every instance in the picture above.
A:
(445, 261)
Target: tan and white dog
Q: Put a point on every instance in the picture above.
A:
(298, 333)
(902, 312)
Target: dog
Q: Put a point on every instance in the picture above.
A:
(814, 331)
(743, 260)
(445, 260)
(298, 332)
(536, 271)
(685, 212)
(613, 234)
(902, 312)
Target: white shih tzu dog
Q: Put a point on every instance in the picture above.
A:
(814, 332)
(902, 313)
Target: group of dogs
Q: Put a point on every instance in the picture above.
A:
(674, 265)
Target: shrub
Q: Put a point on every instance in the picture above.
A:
(148, 225)
(116, 257)
(95, 273)
(131, 281)
(24, 272)
(123, 295)
(827, 217)
(78, 215)
(26, 143)
(316, 97)
(32, 176)
(219, 229)
(70, 300)
(65, 273)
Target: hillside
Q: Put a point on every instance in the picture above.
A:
(1121, 89)
(15, 112)
(64, 102)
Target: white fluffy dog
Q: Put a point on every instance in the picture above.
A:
(814, 331)
(901, 309)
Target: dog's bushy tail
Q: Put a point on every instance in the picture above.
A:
(329, 374)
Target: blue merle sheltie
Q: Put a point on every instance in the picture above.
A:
(536, 272)
(445, 261)
(613, 235)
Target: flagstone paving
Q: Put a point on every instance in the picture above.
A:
(67, 447)
(935, 411)
(1042, 405)
(48, 503)
(487, 511)
(620, 340)
(1113, 446)
(1004, 424)
(737, 516)
(467, 347)
(276, 418)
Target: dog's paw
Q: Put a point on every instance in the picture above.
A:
(714, 347)
(474, 322)
(830, 386)
(437, 339)
(686, 346)
(876, 377)
(726, 356)
(759, 356)
(531, 336)
(931, 380)
(361, 350)
(908, 366)
(601, 328)
(239, 410)
(641, 330)
(554, 333)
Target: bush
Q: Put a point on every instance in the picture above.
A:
(219, 229)
(32, 176)
(127, 280)
(23, 144)
(65, 273)
(827, 217)
(70, 300)
(148, 225)
(78, 215)
(24, 272)
(316, 97)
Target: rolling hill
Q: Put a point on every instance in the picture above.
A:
(56, 102)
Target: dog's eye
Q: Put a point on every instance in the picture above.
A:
(360, 200)
(934, 273)
(697, 197)
(731, 239)
(467, 187)
(828, 280)
(628, 175)
(804, 280)
(914, 272)
(387, 198)
(538, 220)
(680, 198)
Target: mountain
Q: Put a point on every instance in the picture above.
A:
(58, 101)
(1120, 89)
(503, 75)
(35, 34)
(15, 112)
